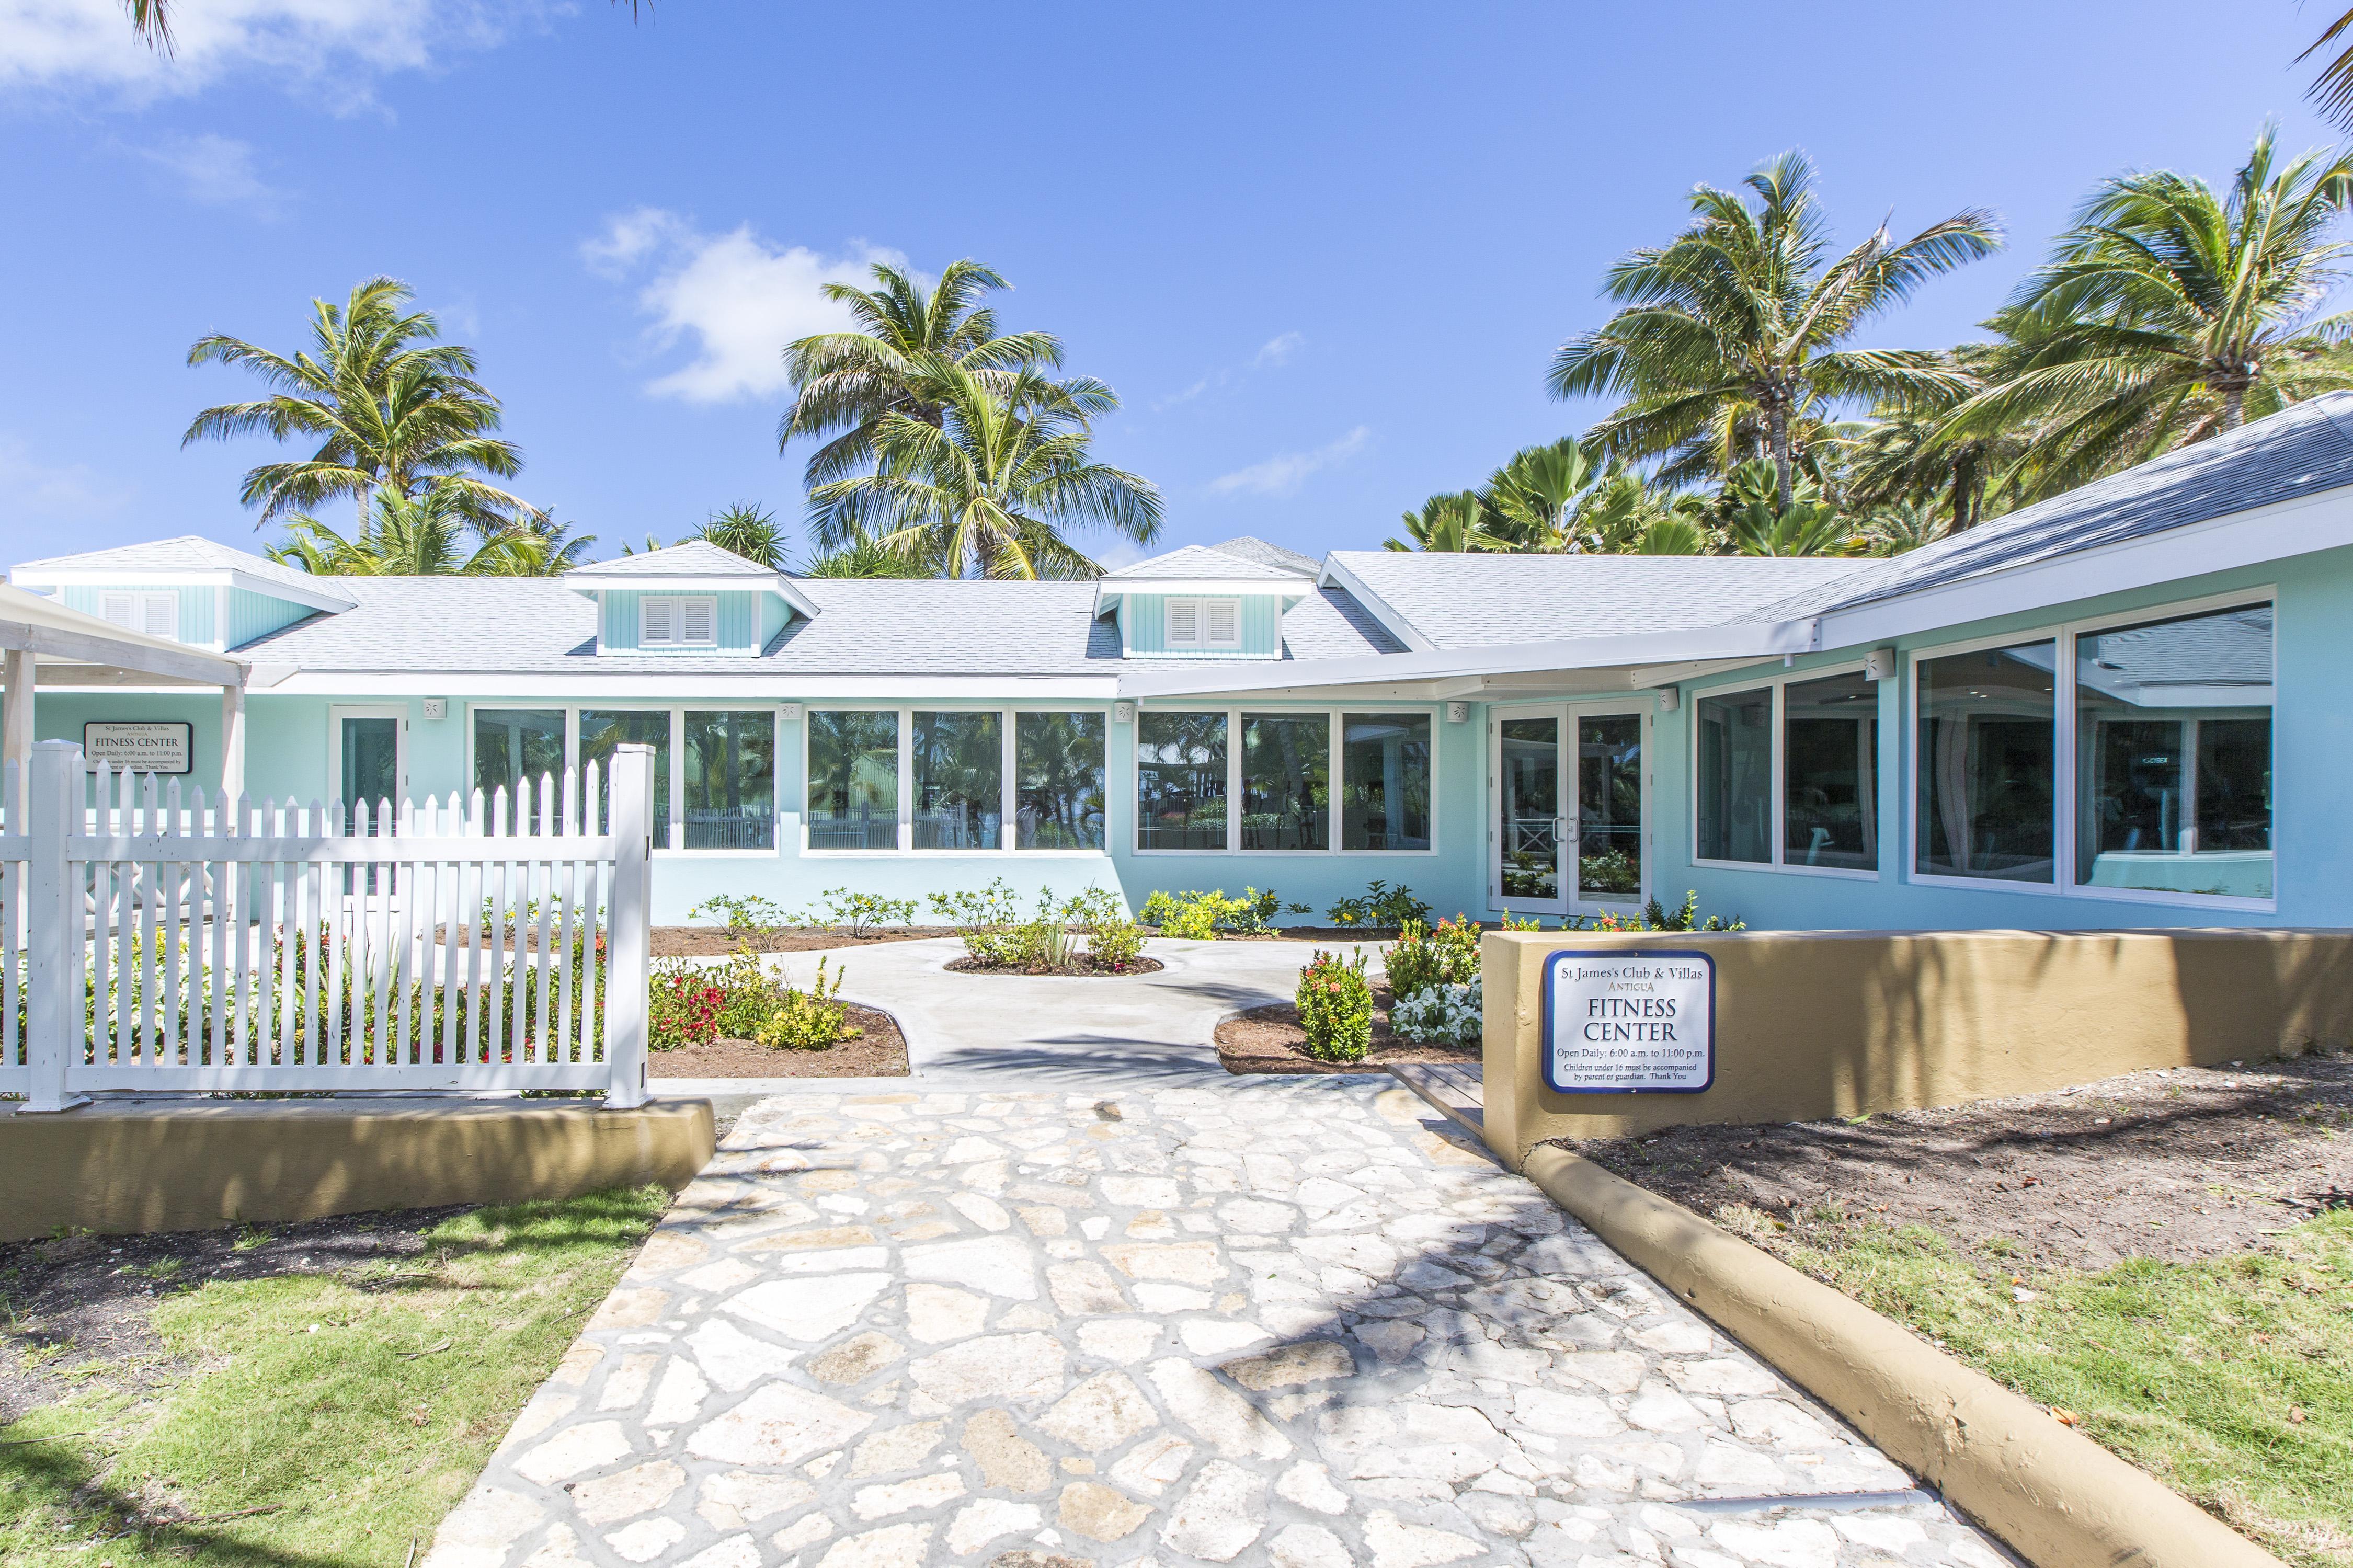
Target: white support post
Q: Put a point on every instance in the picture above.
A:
(55, 997)
(17, 671)
(232, 730)
(628, 953)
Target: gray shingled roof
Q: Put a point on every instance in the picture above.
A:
(189, 552)
(2297, 452)
(864, 625)
(1197, 560)
(1461, 601)
(689, 558)
(1266, 554)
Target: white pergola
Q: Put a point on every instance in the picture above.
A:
(45, 645)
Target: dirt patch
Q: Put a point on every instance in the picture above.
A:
(1086, 969)
(879, 1051)
(1343, 934)
(1268, 1041)
(716, 941)
(82, 1307)
(2176, 1164)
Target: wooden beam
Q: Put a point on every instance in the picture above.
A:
(52, 642)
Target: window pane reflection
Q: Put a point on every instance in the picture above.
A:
(1286, 781)
(1987, 750)
(959, 780)
(1384, 780)
(730, 780)
(1180, 781)
(1830, 791)
(601, 731)
(1735, 808)
(853, 779)
(1058, 769)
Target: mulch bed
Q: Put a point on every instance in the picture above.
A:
(85, 1293)
(2176, 1164)
(879, 1051)
(1268, 1041)
(1086, 971)
(717, 941)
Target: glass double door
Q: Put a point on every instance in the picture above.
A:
(1566, 796)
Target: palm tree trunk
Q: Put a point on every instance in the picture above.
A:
(1783, 482)
(1966, 490)
(2234, 406)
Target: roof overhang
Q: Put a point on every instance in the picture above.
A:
(72, 649)
(1289, 588)
(783, 587)
(183, 577)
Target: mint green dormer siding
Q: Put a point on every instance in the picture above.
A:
(740, 622)
(195, 620)
(252, 615)
(1143, 627)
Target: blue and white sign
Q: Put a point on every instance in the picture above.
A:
(1627, 1022)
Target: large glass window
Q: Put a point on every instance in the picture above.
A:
(1384, 780)
(730, 780)
(1736, 776)
(853, 779)
(1286, 781)
(601, 731)
(1988, 744)
(1529, 854)
(514, 744)
(959, 762)
(1058, 770)
(1609, 806)
(1180, 781)
(1829, 793)
(2173, 749)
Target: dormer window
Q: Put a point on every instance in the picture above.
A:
(1204, 623)
(678, 620)
(157, 614)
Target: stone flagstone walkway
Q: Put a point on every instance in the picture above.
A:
(1283, 1321)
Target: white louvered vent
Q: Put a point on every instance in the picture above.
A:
(658, 621)
(156, 614)
(1184, 622)
(696, 619)
(1222, 619)
(671, 620)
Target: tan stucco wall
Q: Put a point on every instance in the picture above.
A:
(186, 1165)
(1817, 1023)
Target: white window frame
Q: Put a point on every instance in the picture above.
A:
(1200, 608)
(1775, 685)
(2064, 637)
(1334, 716)
(573, 708)
(1008, 786)
(678, 603)
(143, 602)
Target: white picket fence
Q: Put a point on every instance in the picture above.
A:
(153, 940)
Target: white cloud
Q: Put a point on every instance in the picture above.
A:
(1283, 473)
(1279, 350)
(338, 45)
(32, 491)
(739, 298)
(214, 170)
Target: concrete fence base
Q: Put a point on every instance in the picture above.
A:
(166, 1165)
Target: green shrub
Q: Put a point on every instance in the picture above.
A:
(1335, 1007)
(1655, 917)
(1423, 958)
(856, 913)
(1380, 908)
(1197, 916)
(1095, 909)
(1115, 944)
(807, 1020)
(746, 915)
(983, 919)
(749, 994)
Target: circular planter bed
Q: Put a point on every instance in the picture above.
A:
(717, 941)
(879, 1051)
(1268, 1041)
(1082, 970)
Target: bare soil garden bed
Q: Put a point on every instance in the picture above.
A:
(879, 1051)
(717, 941)
(1268, 1041)
(1084, 969)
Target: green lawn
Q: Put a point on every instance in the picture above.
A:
(2231, 1381)
(351, 1413)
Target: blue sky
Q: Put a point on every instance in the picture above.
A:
(1324, 253)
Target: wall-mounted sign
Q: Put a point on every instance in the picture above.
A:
(147, 747)
(1625, 1022)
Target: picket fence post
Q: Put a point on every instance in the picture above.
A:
(54, 927)
(627, 958)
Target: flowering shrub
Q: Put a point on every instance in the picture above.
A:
(1655, 917)
(1443, 1013)
(1335, 1007)
(683, 1007)
(1422, 958)
(806, 1020)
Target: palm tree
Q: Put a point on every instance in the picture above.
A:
(1907, 525)
(864, 558)
(1909, 453)
(2332, 91)
(749, 530)
(1730, 331)
(429, 534)
(2170, 313)
(847, 384)
(391, 407)
(990, 487)
(1453, 524)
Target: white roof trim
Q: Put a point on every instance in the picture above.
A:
(1290, 588)
(1335, 575)
(181, 578)
(699, 690)
(55, 635)
(781, 586)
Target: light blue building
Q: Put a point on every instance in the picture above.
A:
(2127, 706)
